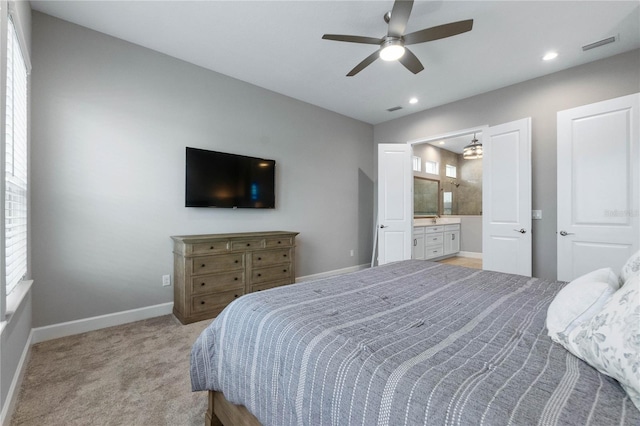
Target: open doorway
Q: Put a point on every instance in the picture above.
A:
(440, 159)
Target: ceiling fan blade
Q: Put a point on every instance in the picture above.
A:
(365, 63)
(352, 39)
(441, 31)
(399, 17)
(410, 61)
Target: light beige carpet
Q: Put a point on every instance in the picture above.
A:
(133, 374)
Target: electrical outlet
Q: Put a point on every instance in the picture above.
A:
(536, 214)
(351, 253)
(166, 280)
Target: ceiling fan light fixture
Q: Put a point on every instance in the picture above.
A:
(392, 50)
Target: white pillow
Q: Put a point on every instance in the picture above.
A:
(631, 266)
(610, 341)
(579, 301)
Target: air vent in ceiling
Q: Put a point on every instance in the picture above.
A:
(394, 108)
(598, 43)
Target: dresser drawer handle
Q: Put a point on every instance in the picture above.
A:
(202, 284)
(259, 275)
(259, 258)
(211, 248)
(279, 242)
(235, 279)
(248, 244)
(202, 265)
(284, 270)
(284, 255)
(236, 261)
(202, 303)
(235, 295)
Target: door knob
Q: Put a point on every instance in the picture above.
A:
(383, 226)
(521, 230)
(565, 233)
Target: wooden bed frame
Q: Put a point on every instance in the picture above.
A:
(221, 412)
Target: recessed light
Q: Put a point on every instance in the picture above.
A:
(549, 56)
(413, 100)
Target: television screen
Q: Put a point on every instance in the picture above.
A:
(218, 179)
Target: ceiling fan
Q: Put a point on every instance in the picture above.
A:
(392, 46)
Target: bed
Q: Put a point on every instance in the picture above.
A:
(408, 343)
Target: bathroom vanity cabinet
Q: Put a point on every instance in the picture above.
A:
(436, 241)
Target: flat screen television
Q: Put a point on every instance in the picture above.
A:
(218, 179)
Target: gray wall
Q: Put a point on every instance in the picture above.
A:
(471, 234)
(13, 341)
(540, 99)
(111, 121)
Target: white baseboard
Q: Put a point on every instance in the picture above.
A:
(471, 254)
(70, 328)
(334, 272)
(14, 390)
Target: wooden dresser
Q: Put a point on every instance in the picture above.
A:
(210, 271)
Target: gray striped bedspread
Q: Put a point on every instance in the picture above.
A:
(409, 343)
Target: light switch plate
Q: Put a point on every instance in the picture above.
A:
(536, 214)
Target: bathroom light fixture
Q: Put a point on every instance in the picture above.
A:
(473, 150)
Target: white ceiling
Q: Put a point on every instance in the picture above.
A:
(277, 45)
(456, 143)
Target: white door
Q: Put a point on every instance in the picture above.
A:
(395, 202)
(598, 179)
(506, 198)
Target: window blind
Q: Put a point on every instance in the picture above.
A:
(15, 193)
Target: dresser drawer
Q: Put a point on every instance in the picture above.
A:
(212, 247)
(433, 239)
(272, 273)
(221, 263)
(455, 227)
(278, 242)
(216, 283)
(247, 244)
(270, 257)
(272, 284)
(211, 302)
(431, 252)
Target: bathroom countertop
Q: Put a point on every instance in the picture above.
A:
(429, 221)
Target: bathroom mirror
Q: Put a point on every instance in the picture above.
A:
(460, 180)
(426, 198)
